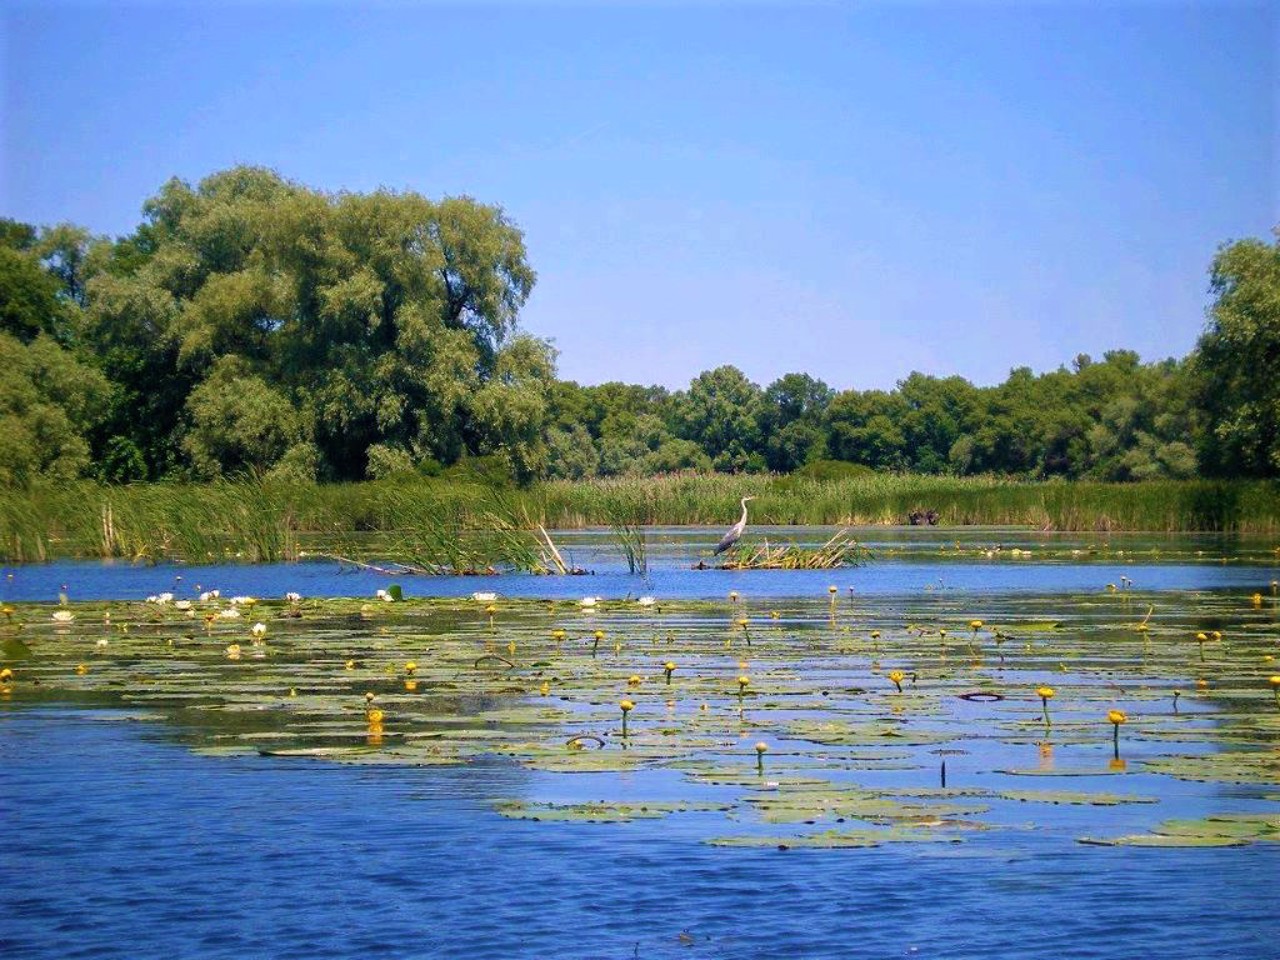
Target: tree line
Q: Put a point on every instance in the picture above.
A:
(251, 326)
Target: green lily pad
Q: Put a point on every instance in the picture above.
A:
(597, 811)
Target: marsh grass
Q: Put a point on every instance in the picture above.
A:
(460, 525)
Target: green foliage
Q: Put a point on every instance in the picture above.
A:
(255, 325)
(238, 423)
(1238, 366)
(29, 302)
(251, 326)
(721, 413)
(832, 470)
(49, 402)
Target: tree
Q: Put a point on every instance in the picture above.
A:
(791, 421)
(29, 302)
(864, 428)
(1238, 361)
(355, 321)
(571, 454)
(239, 424)
(49, 402)
(721, 413)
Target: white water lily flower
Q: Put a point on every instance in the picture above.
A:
(101, 644)
(63, 616)
(259, 629)
(247, 601)
(588, 601)
(382, 594)
(647, 601)
(293, 597)
(484, 597)
(210, 595)
(182, 605)
(231, 613)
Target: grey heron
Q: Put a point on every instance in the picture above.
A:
(734, 533)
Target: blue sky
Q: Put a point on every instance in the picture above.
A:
(854, 191)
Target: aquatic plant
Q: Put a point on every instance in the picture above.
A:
(1116, 718)
(1045, 694)
(467, 702)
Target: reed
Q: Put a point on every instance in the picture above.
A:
(467, 525)
(841, 550)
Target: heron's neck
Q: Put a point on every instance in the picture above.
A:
(744, 512)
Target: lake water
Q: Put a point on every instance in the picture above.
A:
(905, 560)
(120, 841)
(120, 844)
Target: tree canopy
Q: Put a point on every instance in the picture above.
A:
(253, 326)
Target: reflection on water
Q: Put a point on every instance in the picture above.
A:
(118, 844)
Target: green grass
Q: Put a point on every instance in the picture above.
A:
(264, 522)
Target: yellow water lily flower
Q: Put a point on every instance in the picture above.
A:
(1045, 694)
(1117, 717)
(897, 676)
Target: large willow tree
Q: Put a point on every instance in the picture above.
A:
(254, 324)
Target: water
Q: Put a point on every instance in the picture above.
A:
(119, 841)
(906, 561)
(120, 844)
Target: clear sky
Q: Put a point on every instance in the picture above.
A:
(853, 191)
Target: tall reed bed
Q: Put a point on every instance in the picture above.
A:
(461, 524)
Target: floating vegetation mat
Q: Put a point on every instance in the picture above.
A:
(841, 550)
(1113, 718)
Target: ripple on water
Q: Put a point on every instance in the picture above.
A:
(118, 845)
